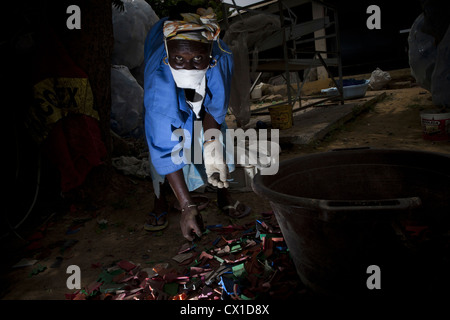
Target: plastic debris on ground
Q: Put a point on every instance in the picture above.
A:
(242, 262)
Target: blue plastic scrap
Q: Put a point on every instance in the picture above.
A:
(228, 285)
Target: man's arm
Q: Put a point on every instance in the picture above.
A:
(210, 123)
(188, 220)
(178, 184)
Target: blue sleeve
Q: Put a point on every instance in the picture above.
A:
(163, 112)
(219, 82)
(165, 105)
(159, 131)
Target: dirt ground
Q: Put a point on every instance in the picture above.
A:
(109, 227)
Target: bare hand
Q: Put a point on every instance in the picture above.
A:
(189, 223)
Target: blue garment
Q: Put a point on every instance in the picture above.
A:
(194, 173)
(165, 105)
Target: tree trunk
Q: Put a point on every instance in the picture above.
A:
(91, 48)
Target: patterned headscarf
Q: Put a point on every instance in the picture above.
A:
(201, 26)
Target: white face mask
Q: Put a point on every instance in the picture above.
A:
(188, 79)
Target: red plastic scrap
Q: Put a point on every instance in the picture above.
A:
(206, 256)
(74, 296)
(35, 245)
(227, 229)
(156, 284)
(267, 246)
(416, 230)
(142, 275)
(133, 294)
(266, 226)
(249, 244)
(35, 236)
(198, 271)
(186, 247)
(231, 240)
(199, 280)
(119, 278)
(222, 250)
(92, 287)
(190, 260)
(229, 261)
(206, 292)
(181, 257)
(126, 265)
(120, 296)
(79, 296)
(128, 279)
(268, 239)
(174, 277)
(181, 296)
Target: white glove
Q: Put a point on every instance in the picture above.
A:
(216, 168)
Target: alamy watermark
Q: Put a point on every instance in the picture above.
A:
(259, 152)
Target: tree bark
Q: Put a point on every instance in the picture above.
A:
(91, 49)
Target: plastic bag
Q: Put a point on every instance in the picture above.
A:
(440, 79)
(132, 166)
(130, 28)
(422, 54)
(430, 64)
(379, 79)
(127, 103)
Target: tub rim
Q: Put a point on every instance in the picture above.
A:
(324, 205)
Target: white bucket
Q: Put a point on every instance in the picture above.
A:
(435, 125)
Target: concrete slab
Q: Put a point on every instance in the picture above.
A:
(315, 123)
(312, 124)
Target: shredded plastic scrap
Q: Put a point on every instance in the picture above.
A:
(241, 263)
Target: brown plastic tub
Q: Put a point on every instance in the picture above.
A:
(342, 211)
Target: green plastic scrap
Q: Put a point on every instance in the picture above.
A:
(235, 248)
(267, 268)
(239, 270)
(40, 268)
(107, 277)
(171, 288)
(111, 287)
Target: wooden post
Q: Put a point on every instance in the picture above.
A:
(285, 54)
(321, 44)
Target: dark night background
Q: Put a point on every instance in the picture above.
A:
(362, 49)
